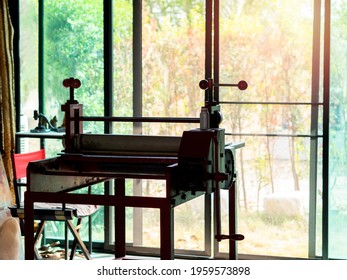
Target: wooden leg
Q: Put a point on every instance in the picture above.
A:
(39, 232)
(167, 232)
(119, 215)
(29, 226)
(66, 235)
(78, 239)
(74, 242)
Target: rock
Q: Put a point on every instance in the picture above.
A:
(286, 204)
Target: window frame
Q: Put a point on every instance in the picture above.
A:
(108, 90)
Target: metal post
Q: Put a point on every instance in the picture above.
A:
(208, 43)
(108, 63)
(137, 111)
(326, 117)
(314, 129)
(216, 48)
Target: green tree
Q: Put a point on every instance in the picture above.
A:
(73, 36)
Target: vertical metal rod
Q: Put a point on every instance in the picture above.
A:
(137, 64)
(41, 77)
(314, 129)
(217, 210)
(216, 49)
(41, 56)
(326, 117)
(108, 97)
(137, 111)
(208, 44)
(72, 93)
(232, 211)
(208, 74)
(66, 245)
(108, 63)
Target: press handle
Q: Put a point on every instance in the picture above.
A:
(208, 84)
(72, 83)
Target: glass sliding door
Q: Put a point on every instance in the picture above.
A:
(72, 46)
(338, 132)
(173, 36)
(158, 63)
(269, 44)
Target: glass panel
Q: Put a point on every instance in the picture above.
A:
(273, 188)
(190, 225)
(143, 224)
(269, 44)
(338, 133)
(172, 58)
(123, 63)
(319, 191)
(269, 119)
(173, 51)
(29, 70)
(73, 47)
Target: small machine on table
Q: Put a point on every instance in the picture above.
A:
(197, 163)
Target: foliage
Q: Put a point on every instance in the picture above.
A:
(73, 47)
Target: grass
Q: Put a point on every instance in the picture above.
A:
(273, 236)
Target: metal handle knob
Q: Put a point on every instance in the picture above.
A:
(208, 84)
(72, 83)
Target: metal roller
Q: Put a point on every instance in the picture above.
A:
(127, 145)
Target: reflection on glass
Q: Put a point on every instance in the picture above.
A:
(337, 132)
(269, 44)
(73, 47)
(28, 69)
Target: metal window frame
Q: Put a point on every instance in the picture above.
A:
(318, 7)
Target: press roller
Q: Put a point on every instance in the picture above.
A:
(200, 157)
(130, 145)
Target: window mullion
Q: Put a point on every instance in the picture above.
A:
(314, 129)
